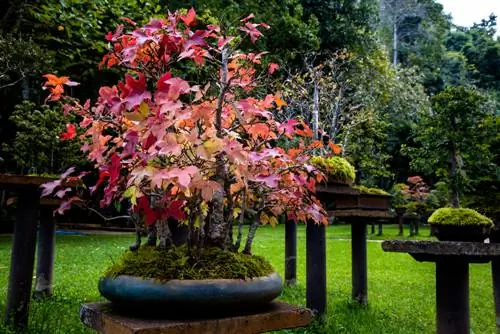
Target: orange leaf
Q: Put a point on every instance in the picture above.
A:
(279, 102)
(335, 148)
(315, 144)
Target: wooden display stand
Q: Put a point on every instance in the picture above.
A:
(102, 318)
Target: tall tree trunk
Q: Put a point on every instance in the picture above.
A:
(346, 141)
(395, 44)
(336, 113)
(25, 88)
(316, 107)
(454, 193)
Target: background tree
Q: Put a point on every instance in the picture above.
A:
(452, 137)
(37, 146)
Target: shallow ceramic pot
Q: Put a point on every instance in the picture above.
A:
(192, 295)
(460, 233)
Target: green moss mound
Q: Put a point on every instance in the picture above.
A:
(176, 263)
(368, 190)
(336, 168)
(460, 217)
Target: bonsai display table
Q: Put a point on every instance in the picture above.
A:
(24, 245)
(102, 318)
(452, 275)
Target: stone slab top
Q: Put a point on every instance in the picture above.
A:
(102, 318)
(432, 251)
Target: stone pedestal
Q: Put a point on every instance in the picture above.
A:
(277, 315)
(452, 276)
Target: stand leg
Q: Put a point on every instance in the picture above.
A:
(45, 254)
(316, 267)
(452, 297)
(495, 271)
(290, 252)
(22, 259)
(359, 263)
(379, 229)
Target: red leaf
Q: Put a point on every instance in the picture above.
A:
(134, 91)
(70, 132)
(190, 18)
(252, 31)
(174, 210)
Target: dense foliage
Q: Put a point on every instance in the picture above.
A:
(201, 154)
(458, 216)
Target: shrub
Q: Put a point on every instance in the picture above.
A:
(459, 216)
(337, 168)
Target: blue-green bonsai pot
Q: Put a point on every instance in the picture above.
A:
(223, 294)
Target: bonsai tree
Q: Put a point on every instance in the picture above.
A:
(336, 168)
(189, 136)
(460, 224)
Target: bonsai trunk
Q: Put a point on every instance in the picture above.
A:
(251, 234)
(218, 229)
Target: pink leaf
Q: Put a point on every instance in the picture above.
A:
(272, 68)
(49, 187)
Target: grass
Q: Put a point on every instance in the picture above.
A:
(401, 290)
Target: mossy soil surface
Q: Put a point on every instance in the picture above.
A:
(180, 263)
(459, 217)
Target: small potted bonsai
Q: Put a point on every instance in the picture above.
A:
(337, 169)
(373, 198)
(187, 138)
(340, 175)
(459, 224)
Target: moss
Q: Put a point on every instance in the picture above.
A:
(176, 263)
(368, 190)
(336, 168)
(459, 216)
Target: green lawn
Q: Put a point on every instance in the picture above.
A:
(401, 290)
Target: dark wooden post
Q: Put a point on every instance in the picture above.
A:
(290, 252)
(373, 228)
(452, 296)
(359, 263)
(495, 271)
(45, 254)
(316, 267)
(22, 259)
(379, 229)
